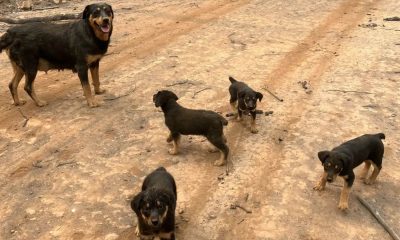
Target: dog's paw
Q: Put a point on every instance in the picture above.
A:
(254, 130)
(343, 206)
(93, 104)
(368, 181)
(99, 91)
(20, 102)
(318, 187)
(173, 151)
(169, 139)
(41, 103)
(219, 162)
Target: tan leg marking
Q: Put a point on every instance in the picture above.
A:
(169, 138)
(344, 197)
(253, 127)
(137, 231)
(235, 110)
(221, 161)
(175, 149)
(165, 235)
(364, 171)
(321, 183)
(38, 102)
(373, 176)
(96, 80)
(88, 95)
(18, 74)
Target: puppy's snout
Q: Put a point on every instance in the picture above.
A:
(329, 179)
(106, 20)
(154, 221)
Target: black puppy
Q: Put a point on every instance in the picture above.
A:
(155, 206)
(244, 100)
(343, 159)
(78, 46)
(180, 120)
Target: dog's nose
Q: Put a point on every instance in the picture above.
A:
(329, 179)
(106, 20)
(154, 222)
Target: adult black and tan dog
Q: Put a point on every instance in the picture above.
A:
(180, 120)
(155, 206)
(343, 159)
(78, 46)
(244, 100)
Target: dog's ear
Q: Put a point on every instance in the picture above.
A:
(135, 203)
(175, 97)
(259, 96)
(86, 12)
(323, 155)
(241, 94)
(112, 12)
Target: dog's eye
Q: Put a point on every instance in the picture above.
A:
(160, 207)
(108, 12)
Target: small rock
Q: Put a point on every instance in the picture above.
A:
(30, 211)
(111, 236)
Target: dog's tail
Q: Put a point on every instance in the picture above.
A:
(161, 169)
(232, 79)
(5, 41)
(224, 122)
(381, 135)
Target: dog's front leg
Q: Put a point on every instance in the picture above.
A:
(322, 182)
(253, 127)
(94, 71)
(175, 149)
(83, 76)
(344, 195)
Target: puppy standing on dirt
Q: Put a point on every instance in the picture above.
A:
(343, 159)
(244, 101)
(180, 120)
(79, 46)
(155, 206)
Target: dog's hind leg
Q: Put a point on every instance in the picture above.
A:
(30, 75)
(364, 172)
(94, 71)
(374, 174)
(13, 85)
(175, 141)
(219, 143)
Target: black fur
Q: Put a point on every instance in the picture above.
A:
(45, 46)
(244, 99)
(157, 198)
(180, 120)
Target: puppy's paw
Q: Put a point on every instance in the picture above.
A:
(20, 102)
(41, 103)
(368, 181)
(343, 206)
(169, 139)
(137, 232)
(319, 187)
(93, 104)
(254, 130)
(172, 151)
(99, 91)
(219, 162)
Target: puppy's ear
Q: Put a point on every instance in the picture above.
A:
(259, 96)
(175, 97)
(112, 12)
(135, 203)
(241, 94)
(86, 12)
(323, 155)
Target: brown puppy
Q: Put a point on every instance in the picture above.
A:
(343, 159)
(78, 46)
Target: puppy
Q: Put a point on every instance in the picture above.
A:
(155, 206)
(343, 159)
(244, 101)
(180, 120)
(78, 46)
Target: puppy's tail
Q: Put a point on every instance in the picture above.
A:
(5, 41)
(224, 122)
(232, 79)
(381, 135)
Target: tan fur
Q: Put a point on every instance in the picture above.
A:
(94, 71)
(165, 235)
(18, 74)
(221, 160)
(94, 23)
(344, 197)
(175, 149)
(364, 172)
(322, 182)
(89, 97)
(253, 127)
(373, 176)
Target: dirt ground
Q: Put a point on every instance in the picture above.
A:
(69, 171)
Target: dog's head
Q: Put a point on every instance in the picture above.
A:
(152, 206)
(333, 162)
(249, 98)
(100, 18)
(162, 97)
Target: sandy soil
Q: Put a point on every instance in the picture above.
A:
(70, 171)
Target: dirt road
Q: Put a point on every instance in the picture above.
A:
(69, 172)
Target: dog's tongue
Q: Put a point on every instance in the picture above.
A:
(105, 28)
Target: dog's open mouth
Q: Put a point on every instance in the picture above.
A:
(104, 27)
